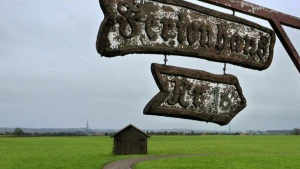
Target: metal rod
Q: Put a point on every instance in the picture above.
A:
(257, 11)
(286, 42)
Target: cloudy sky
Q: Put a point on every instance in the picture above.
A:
(52, 76)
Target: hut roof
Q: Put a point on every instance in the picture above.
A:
(130, 125)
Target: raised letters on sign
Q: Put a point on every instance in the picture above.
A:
(177, 27)
(195, 94)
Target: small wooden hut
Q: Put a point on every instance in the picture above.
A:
(130, 140)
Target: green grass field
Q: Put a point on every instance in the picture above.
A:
(226, 152)
(94, 152)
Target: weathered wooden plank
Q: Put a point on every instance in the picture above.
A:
(176, 27)
(195, 94)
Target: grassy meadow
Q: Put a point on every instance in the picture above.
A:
(226, 152)
(219, 152)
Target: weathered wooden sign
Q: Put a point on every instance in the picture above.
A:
(277, 20)
(195, 94)
(177, 27)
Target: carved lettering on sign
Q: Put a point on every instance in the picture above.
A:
(222, 36)
(128, 18)
(167, 31)
(186, 92)
(151, 22)
(181, 87)
(195, 94)
(192, 33)
(250, 46)
(184, 29)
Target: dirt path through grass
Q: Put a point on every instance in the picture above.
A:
(129, 163)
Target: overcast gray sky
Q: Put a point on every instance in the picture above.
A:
(52, 76)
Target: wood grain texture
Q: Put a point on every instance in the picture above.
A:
(130, 140)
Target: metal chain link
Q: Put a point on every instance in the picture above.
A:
(224, 69)
(165, 60)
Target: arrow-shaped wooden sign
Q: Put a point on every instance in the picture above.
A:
(176, 27)
(195, 94)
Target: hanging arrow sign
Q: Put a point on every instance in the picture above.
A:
(177, 27)
(195, 94)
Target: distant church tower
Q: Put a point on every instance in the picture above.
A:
(87, 126)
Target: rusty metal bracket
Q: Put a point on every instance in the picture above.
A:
(275, 18)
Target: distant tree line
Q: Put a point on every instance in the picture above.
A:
(20, 132)
(296, 131)
(189, 133)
